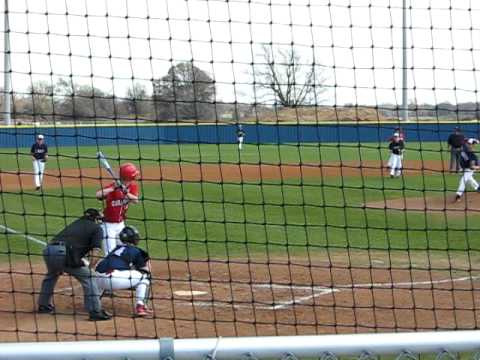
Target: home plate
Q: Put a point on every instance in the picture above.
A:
(189, 293)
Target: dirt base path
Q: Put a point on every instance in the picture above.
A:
(10, 181)
(443, 204)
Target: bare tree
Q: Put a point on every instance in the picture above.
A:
(82, 101)
(40, 101)
(137, 100)
(283, 75)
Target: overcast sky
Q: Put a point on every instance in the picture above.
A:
(143, 38)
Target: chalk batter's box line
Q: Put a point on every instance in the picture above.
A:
(318, 291)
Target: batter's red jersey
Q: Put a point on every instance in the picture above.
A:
(117, 203)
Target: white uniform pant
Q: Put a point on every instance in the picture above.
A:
(110, 236)
(38, 170)
(240, 142)
(124, 280)
(395, 164)
(466, 179)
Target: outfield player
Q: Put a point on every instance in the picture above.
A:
(127, 267)
(39, 152)
(65, 254)
(240, 137)
(397, 148)
(468, 163)
(117, 197)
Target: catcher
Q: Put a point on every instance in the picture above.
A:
(127, 267)
(468, 163)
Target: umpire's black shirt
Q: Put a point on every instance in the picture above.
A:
(39, 151)
(456, 140)
(83, 234)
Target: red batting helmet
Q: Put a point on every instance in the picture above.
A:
(128, 172)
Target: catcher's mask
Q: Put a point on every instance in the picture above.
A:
(129, 235)
(93, 215)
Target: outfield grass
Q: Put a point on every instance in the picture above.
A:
(148, 155)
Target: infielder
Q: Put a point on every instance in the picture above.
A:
(117, 198)
(240, 137)
(396, 147)
(468, 163)
(127, 267)
(39, 152)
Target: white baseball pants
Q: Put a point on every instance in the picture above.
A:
(110, 236)
(466, 179)
(38, 171)
(240, 143)
(124, 280)
(395, 164)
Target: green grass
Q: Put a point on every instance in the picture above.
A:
(151, 155)
(205, 220)
(208, 220)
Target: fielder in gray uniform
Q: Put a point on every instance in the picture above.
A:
(66, 254)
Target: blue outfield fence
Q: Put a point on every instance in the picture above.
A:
(15, 137)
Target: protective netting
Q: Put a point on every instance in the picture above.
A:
(279, 191)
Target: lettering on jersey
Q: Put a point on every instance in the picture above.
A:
(119, 251)
(120, 202)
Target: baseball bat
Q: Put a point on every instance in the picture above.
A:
(106, 165)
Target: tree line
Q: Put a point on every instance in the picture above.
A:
(280, 80)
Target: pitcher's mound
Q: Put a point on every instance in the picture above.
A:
(470, 203)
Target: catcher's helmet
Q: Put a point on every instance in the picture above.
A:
(128, 172)
(129, 235)
(93, 214)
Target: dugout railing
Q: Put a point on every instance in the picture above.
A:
(447, 344)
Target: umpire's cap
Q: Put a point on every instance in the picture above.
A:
(93, 214)
(129, 235)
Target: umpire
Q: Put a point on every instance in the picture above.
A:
(455, 143)
(65, 254)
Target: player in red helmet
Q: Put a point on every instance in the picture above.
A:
(117, 197)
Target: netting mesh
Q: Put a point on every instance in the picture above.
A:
(274, 195)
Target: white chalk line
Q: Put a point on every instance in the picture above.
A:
(26, 236)
(320, 291)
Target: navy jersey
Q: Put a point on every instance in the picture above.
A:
(467, 158)
(39, 151)
(123, 257)
(240, 133)
(396, 147)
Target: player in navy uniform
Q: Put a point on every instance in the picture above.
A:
(468, 163)
(396, 155)
(240, 136)
(127, 267)
(39, 152)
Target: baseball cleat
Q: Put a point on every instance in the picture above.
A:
(458, 198)
(46, 309)
(142, 310)
(101, 315)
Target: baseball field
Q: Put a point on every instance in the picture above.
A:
(275, 239)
